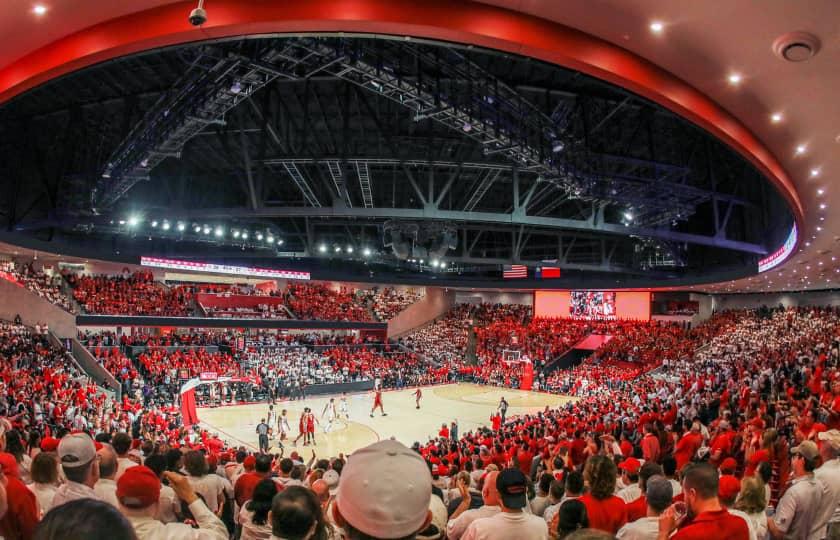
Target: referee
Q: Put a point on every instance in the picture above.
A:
(262, 431)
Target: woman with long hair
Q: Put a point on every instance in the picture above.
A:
(44, 479)
(751, 501)
(572, 517)
(253, 516)
(606, 511)
(15, 446)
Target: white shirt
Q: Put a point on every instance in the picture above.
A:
(630, 493)
(829, 476)
(71, 491)
(646, 528)
(168, 505)
(210, 527)
(250, 531)
(745, 517)
(456, 527)
(506, 526)
(210, 487)
(106, 489)
(44, 493)
(123, 464)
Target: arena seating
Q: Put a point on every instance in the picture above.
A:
(318, 301)
(48, 288)
(136, 294)
(387, 302)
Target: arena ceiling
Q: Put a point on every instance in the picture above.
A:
(347, 139)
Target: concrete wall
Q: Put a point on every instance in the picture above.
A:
(16, 300)
(436, 302)
(94, 369)
(744, 301)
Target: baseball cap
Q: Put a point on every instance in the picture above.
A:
(76, 450)
(9, 465)
(331, 478)
(728, 464)
(138, 487)
(631, 465)
(807, 449)
(728, 487)
(385, 490)
(49, 444)
(659, 492)
(249, 463)
(832, 437)
(512, 486)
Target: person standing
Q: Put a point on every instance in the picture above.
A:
(377, 402)
(417, 395)
(796, 513)
(262, 432)
(330, 413)
(344, 407)
(283, 426)
(512, 521)
(503, 407)
(829, 475)
(310, 426)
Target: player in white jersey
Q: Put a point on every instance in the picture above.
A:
(344, 407)
(283, 425)
(271, 418)
(330, 412)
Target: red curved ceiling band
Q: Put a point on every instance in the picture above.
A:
(458, 21)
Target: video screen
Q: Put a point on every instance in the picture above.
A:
(592, 305)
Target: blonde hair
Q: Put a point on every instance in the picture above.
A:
(753, 497)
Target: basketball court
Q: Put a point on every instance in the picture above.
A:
(470, 404)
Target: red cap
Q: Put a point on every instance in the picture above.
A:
(9, 465)
(728, 487)
(49, 444)
(631, 465)
(212, 462)
(249, 463)
(728, 464)
(138, 487)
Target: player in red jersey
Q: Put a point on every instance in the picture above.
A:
(417, 395)
(310, 427)
(302, 427)
(377, 402)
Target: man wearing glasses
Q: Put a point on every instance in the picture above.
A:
(796, 513)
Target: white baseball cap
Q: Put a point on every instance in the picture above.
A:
(76, 450)
(385, 490)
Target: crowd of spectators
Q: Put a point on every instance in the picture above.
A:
(445, 339)
(387, 302)
(130, 294)
(319, 301)
(259, 311)
(45, 286)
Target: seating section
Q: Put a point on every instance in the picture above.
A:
(318, 301)
(387, 302)
(135, 294)
(47, 287)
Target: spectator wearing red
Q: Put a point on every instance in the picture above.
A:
(257, 469)
(707, 518)
(650, 445)
(606, 511)
(21, 515)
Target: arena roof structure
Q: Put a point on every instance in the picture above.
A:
(430, 142)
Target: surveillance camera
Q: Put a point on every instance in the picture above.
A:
(198, 16)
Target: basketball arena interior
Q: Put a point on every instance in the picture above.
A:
(434, 269)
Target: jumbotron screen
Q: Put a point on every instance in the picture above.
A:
(592, 305)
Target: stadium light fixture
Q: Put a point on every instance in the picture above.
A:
(165, 226)
(244, 235)
(259, 236)
(656, 27)
(133, 221)
(366, 252)
(235, 233)
(349, 249)
(322, 248)
(219, 232)
(181, 226)
(269, 239)
(39, 10)
(154, 224)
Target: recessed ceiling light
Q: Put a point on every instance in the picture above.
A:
(656, 27)
(800, 149)
(39, 9)
(822, 206)
(815, 172)
(776, 117)
(820, 191)
(734, 79)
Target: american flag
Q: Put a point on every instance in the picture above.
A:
(514, 271)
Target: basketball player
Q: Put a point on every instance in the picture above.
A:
(302, 427)
(344, 407)
(271, 418)
(377, 402)
(330, 413)
(283, 425)
(417, 395)
(310, 427)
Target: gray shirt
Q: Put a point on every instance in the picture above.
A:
(797, 510)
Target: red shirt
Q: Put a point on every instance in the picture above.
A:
(686, 447)
(637, 509)
(608, 514)
(720, 524)
(243, 491)
(22, 516)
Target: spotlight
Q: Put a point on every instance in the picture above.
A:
(154, 223)
(165, 226)
(443, 264)
(434, 263)
(800, 149)
(628, 216)
(206, 230)
(338, 249)
(244, 235)
(322, 248)
(467, 127)
(181, 226)
(270, 239)
(735, 79)
(366, 252)
(122, 222)
(39, 9)
(776, 118)
(197, 229)
(235, 234)
(280, 242)
(236, 87)
(259, 236)
(349, 249)
(656, 27)
(219, 231)
(558, 146)
(133, 221)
